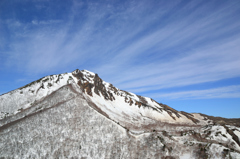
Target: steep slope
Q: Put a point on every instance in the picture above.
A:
(78, 114)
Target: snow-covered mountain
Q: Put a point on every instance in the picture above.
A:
(79, 115)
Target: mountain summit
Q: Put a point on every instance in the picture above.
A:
(78, 115)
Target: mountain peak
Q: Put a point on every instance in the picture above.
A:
(99, 91)
(83, 71)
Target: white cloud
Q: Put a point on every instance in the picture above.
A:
(222, 92)
(136, 46)
(45, 22)
(207, 64)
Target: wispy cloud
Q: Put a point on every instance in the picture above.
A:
(205, 65)
(137, 45)
(222, 92)
(43, 22)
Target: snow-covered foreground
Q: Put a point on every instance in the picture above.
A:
(79, 115)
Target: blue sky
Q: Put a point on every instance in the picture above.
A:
(185, 54)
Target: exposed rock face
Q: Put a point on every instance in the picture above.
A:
(78, 115)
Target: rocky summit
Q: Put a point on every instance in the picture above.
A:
(78, 115)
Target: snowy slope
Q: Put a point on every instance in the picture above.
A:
(121, 105)
(15, 101)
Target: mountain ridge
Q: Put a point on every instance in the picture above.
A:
(131, 115)
(88, 80)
